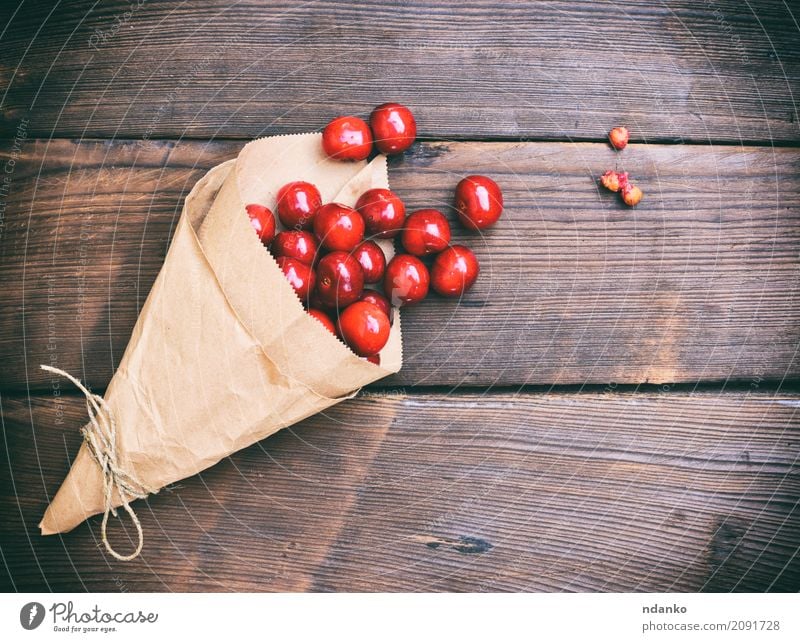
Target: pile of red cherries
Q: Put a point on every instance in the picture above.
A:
(328, 252)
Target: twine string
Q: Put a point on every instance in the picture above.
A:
(100, 436)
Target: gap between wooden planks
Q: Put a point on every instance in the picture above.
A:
(725, 70)
(464, 492)
(698, 283)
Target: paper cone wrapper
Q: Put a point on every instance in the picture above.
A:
(223, 353)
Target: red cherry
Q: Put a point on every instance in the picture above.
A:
(296, 244)
(394, 128)
(340, 280)
(323, 318)
(300, 275)
(263, 222)
(383, 212)
(315, 302)
(338, 227)
(347, 138)
(479, 202)
(406, 280)
(454, 271)
(372, 260)
(376, 298)
(298, 202)
(364, 327)
(426, 232)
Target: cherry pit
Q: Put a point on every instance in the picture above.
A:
(331, 253)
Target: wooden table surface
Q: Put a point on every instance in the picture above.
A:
(613, 406)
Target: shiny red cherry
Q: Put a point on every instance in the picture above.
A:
(479, 202)
(296, 244)
(263, 222)
(364, 328)
(394, 128)
(338, 227)
(426, 232)
(376, 298)
(383, 212)
(300, 275)
(323, 318)
(454, 271)
(372, 260)
(340, 280)
(298, 202)
(315, 302)
(347, 138)
(406, 280)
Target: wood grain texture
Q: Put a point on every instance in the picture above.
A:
(721, 70)
(462, 492)
(700, 282)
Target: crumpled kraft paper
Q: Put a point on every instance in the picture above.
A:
(223, 353)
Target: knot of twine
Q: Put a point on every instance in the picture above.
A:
(101, 437)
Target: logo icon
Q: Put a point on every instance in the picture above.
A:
(31, 615)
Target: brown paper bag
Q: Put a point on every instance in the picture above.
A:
(223, 353)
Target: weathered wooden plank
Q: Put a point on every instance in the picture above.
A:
(700, 282)
(460, 492)
(721, 70)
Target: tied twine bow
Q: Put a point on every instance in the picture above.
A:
(101, 437)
